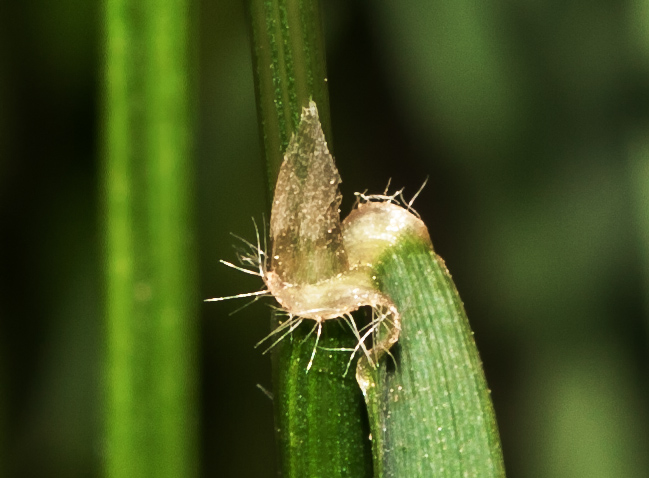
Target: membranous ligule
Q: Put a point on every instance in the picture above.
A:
(305, 229)
(320, 268)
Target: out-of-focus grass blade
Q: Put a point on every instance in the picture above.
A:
(151, 296)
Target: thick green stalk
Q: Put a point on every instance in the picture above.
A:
(431, 414)
(320, 417)
(150, 271)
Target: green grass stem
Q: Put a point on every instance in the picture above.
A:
(320, 417)
(289, 70)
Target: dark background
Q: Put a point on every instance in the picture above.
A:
(531, 120)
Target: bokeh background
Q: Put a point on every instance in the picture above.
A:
(531, 121)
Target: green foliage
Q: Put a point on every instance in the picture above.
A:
(320, 415)
(151, 297)
(520, 112)
(430, 425)
(430, 409)
(289, 70)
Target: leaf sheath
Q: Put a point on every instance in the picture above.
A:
(430, 408)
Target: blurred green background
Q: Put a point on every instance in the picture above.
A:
(531, 120)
